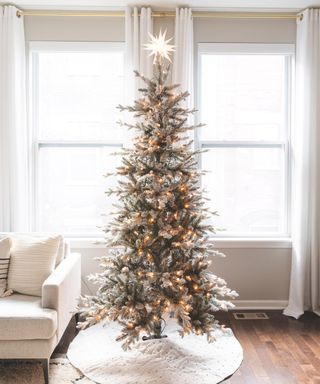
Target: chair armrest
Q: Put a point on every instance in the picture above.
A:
(62, 288)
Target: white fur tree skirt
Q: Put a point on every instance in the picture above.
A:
(171, 360)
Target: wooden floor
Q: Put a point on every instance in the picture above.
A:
(280, 350)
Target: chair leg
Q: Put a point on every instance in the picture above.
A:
(45, 367)
(77, 319)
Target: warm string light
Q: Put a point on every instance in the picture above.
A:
(182, 188)
(147, 238)
(195, 287)
(188, 308)
(130, 325)
(167, 305)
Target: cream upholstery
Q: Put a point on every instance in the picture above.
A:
(23, 318)
(62, 289)
(37, 349)
(31, 327)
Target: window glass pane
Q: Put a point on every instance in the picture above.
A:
(72, 188)
(78, 93)
(246, 187)
(243, 97)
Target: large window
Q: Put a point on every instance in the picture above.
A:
(244, 101)
(75, 88)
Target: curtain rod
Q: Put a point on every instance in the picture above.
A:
(210, 15)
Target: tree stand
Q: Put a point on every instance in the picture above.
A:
(157, 333)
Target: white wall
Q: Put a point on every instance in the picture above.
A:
(259, 274)
(244, 30)
(74, 28)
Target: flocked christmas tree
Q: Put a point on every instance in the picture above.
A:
(161, 227)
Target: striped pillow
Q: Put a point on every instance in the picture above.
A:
(5, 245)
(32, 261)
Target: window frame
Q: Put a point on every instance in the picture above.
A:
(287, 50)
(36, 143)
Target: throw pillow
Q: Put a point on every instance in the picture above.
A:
(32, 261)
(62, 246)
(5, 246)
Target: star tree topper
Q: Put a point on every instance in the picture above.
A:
(159, 46)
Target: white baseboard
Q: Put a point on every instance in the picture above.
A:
(260, 304)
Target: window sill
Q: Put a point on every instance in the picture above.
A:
(219, 242)
(252, 242)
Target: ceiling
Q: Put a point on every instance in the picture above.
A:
(262, 5)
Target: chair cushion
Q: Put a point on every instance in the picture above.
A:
(22, 318)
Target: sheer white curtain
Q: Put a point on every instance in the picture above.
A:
(182, 70)
(137, 29)
(14, 214)
(305, 272)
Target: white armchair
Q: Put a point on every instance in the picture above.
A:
(30, 326)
